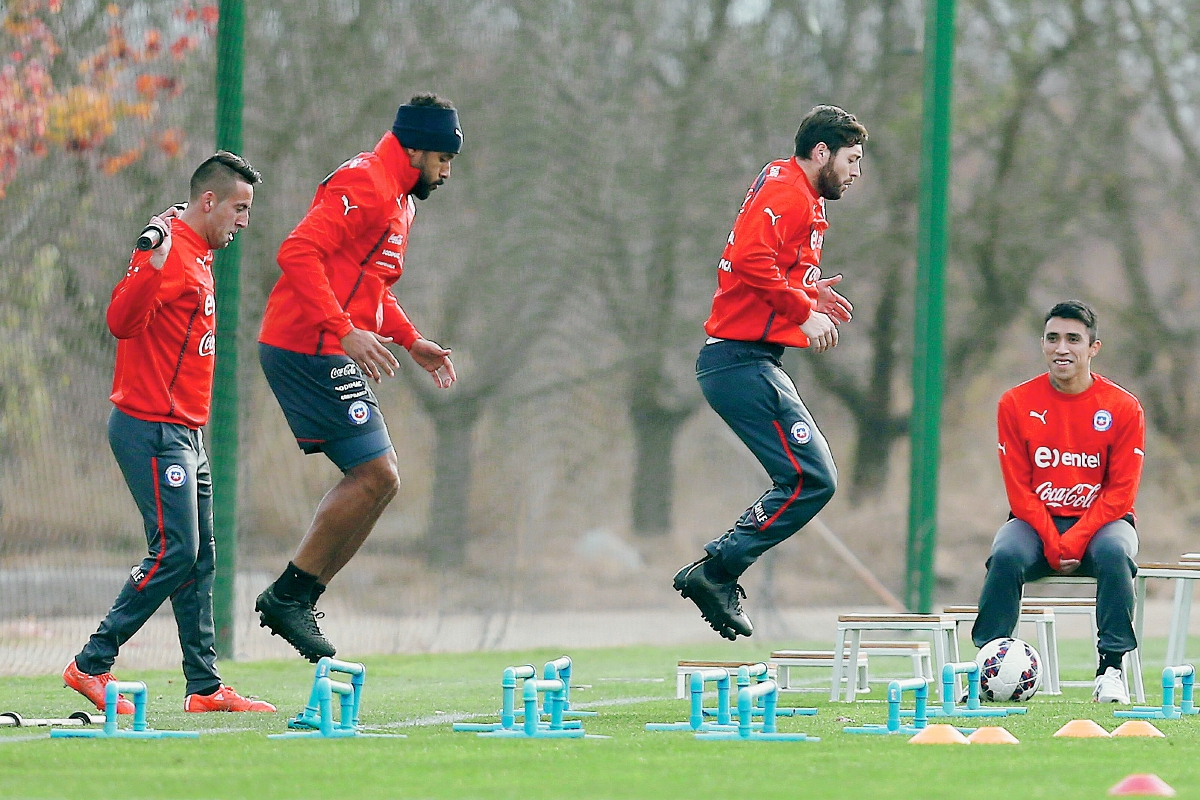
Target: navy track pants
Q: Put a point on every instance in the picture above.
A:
(167, 471)
(745, 384)
(1017, 557)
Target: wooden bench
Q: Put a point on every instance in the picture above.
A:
(686, 668)
(918, 652)
(1185, 574)
(850, 628)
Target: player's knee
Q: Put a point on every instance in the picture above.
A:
(1006, 561)
(1110, 556)
(382, 477)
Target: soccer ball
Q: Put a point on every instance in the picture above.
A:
(1009, 669)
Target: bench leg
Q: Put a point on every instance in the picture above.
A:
(852, 665)
(1181, 613)
(680, 681)
(864, 684)
(1053, 680)
(839, 653)
(1132, 665)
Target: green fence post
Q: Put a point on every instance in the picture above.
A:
(932, 241)
(224, 426)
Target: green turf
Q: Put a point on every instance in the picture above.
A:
(420, 695)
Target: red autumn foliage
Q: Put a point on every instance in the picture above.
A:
(112, 91)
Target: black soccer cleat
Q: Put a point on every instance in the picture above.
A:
(719, 603)
(295, 622)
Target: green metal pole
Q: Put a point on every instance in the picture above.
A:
(932, 241)
(224, 426)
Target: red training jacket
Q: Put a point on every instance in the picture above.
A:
(166, 323)
(1070, 455)
(767, 277)
(340, 262)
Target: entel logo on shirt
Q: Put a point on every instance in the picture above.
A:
(1050, 457)
(1081, 495)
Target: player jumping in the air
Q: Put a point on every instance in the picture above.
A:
(324, 333)
(770, 295)
(1071, 447)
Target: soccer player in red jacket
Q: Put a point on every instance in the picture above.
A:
(163, 313)
(1071, 447)
(770, 295)
(324, 333)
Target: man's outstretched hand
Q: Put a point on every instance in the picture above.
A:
(368, 351)
(830, 302)
(435, 360)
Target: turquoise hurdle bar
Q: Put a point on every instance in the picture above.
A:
(1184, 674)
(112, 692)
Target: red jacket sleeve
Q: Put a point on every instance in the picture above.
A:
(135, 298)
(1018, 473)
(772, 218)
(396, 323)
(1122, 477)
(347, 207)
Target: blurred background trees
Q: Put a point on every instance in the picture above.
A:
(570, 260)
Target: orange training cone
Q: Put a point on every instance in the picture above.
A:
(1142, 785)
(1082, 729)
(939, 734)
(992, 735)
(1138, 727)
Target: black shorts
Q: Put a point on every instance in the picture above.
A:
(328, 404)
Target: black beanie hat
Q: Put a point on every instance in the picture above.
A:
(428, 128)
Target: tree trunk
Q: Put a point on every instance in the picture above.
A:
(654, 432)
(446, 538)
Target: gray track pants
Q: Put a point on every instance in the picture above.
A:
(1017, 557)
(745, 383)
(166, 469)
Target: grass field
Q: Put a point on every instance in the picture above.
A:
(421, 695)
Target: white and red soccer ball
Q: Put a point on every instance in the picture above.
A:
(1009, 670)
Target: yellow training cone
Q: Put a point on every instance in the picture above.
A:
(1138, 727)
(939, 734)
(992, 735)
(1082, 729)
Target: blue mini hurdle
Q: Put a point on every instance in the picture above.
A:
(749, 697)
(112, 691)
(508, 690)
(973, 708)
(555, 691)
(896, 689)
(316, 720)
(1185, 674)
(760, 671)
(561, 668)
(696, 722)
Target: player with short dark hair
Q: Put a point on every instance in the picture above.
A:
(770, 295)
(1071, 447)
(327, 323)
(163, 313)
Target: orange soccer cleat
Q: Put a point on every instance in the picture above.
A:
(92, 687)
(224, 699)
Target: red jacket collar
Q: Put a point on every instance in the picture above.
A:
(396, 164)
(188, 235)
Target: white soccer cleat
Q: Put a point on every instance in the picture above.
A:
(1110, 688)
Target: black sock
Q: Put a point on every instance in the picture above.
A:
(209, 692)
(717, 573)
(295, 584)
(317, 590)
(1108, 660)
